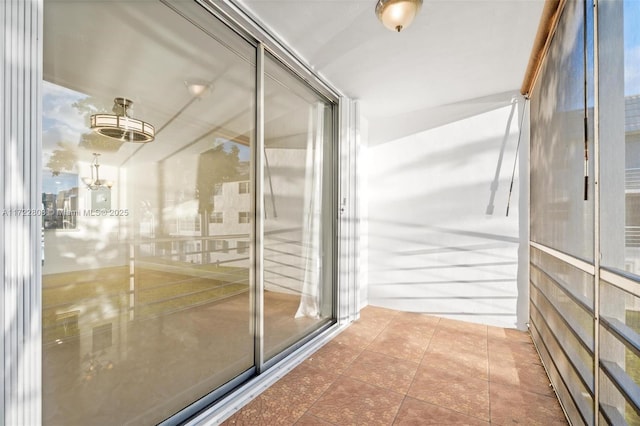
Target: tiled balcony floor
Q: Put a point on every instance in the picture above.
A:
(402, 368)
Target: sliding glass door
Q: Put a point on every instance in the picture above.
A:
(148, 200)
(297, 242)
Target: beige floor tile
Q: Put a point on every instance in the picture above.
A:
(259, 412)
(516, 352)
(462, 326)
(352, 402)
(288, 399)
(383, 371)
(352, 339)
(498, 335)
(412, 369)
(511, 405)
(461, 337)
(466, 363)
(359, 334)
(334, 356)
(527, 376)
(411, 331)
(400, 346)
(450, 390)
(414, 412)
(311, 420)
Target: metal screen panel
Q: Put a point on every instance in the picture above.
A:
(562, 215)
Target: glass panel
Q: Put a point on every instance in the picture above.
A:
(620, 133)
(577, 282)
(575, 396)
(619, 307)
(622, 310)
(620, 166)
(146, 292)
(298, 204)
(579, 319)
(571, 345)
(620, 411)
(561, 218)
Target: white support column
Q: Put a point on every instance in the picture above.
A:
(20, 223)
(522, 306)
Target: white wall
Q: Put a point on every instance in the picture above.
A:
(439, 239)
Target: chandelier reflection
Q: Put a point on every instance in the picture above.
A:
(94, 182)
(120, 126)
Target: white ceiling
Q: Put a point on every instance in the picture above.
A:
(458, 58)
(454, 51)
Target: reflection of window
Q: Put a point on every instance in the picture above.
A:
(243, 187)
(217, 189)
(243, 217)
(242, 246)
(216, 217)
(60, 200)
(190, 224)
(67, 324)
(221, 246)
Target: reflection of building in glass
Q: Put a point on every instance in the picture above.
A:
(61, 209)
(224, 231)
(632, 183)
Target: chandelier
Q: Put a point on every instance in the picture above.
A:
(397, 15)
(94, 183)
(120, 126)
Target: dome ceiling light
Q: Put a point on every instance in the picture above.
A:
(120, 126)
(397, 14)
(198, 88)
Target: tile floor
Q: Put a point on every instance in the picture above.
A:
(402, 368)
(153, 367)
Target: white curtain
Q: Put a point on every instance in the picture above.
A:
(310, 301)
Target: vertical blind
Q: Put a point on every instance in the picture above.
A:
(20, 76)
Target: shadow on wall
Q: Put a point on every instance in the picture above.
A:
(390, 129)
(439, 239)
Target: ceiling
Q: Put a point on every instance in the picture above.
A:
(456, 53)
(458, 58)
(149, 51)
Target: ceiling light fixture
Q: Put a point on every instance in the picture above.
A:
(198, 88)
(120, 126)
(397, 14)
(94, 183)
